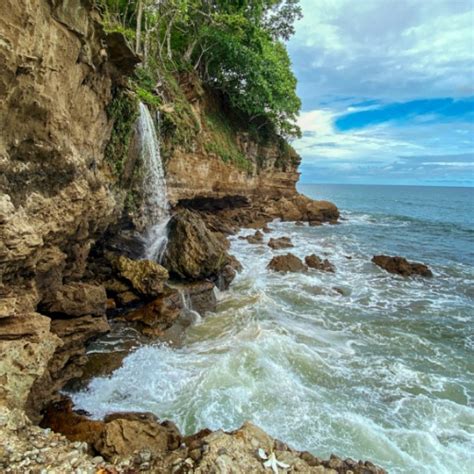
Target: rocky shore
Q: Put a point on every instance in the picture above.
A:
(72, 221)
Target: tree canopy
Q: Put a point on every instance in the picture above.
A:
(236, 46)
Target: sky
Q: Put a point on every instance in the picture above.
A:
(387, 90)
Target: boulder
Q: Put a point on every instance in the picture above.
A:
(127, 433)
(256, 238)
(74, 300)
(302, 208)
(26, 346)
(155, 317)
(313, 261)
(60, 417)
(401, 266)
(118, 435)
(145, 276)
(286, 263)
(280, 243)
(322, 211)
(193, 251)
(200, 295)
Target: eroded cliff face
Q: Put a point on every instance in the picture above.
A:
(58, 69)
(224, 158)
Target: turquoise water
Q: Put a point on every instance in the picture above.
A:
(383, 372)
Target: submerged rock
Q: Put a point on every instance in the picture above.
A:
(194, 251)
(313, 261)
(401, 266)
(280, 243)
(286, 263)
(256, 238)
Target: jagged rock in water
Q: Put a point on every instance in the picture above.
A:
(194, 251)
(255, 238)
(145, 276)
(301, 208)
(313, 261)
(286, 263)
(157, 316)
(75, 299)
(401, 266)
(280, 243)
(200, 294)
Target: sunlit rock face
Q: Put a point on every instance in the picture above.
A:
(56, 197)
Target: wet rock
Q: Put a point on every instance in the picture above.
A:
(256, 238)
(200, 294)
(313, 261)
(228, 273)
(280, 243)
(155, 317)
(75, 299)
(145, 277)
(61, 418)
(100, 364)
(401, 266)
(194, 251)
(286, 263)
(322, 211)
(301, 208)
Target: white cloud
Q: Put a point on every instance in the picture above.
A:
(385, 49)
(321, 140)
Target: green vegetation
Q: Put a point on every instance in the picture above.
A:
(235, 47)
(123, 110)
(221, 141)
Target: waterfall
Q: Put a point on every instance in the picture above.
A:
(154, 187)
(188, 312)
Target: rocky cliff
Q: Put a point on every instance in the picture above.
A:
(58, 72)
(70, 180)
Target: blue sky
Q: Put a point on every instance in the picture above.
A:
(388, 91)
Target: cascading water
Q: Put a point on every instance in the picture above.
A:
(154, 187)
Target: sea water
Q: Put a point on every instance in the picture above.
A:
(360, 363)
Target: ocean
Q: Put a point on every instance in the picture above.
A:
(360, 363)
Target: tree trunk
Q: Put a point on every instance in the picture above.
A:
(139, 26)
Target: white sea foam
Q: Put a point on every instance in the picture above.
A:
(379, 373)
